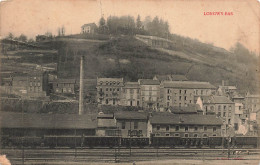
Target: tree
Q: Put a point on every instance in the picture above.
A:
(10, 36)
(138, 22)
(102, 25)
(22, 38)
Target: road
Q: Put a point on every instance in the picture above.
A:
(100, 156)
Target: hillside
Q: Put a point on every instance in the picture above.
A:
(125, 56)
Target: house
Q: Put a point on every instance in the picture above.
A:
(150, 93)
(133, 124)
(182, 93)
(106, 125)
(131, 94)
(220, 106)
(168, 124)
(227, 90)
(89, 28)
(252, 103)
(65, 86)
(30, 85)
(109, 90)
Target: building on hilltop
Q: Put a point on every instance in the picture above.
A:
(89, 28)
(109, 90)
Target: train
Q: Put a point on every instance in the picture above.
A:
(72, 141)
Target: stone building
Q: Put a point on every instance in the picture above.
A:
(131, 94)
(182, 93)
(150, 93)
(109, 90)
(168, 124)
(89, 28)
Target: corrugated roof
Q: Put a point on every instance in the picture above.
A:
(148, 82)
(188, 85)
(131, 115)
(168, 118)
(49, 121)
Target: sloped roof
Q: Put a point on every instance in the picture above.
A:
(216, 100)
(191, 108)
(48, 121)
(89, 24)
(109, 79)
(131, 115)
(175, 77)
(188, 85)
(168, 118)
(132, 85)
(148, 82)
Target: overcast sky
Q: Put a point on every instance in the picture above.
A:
(185, 17)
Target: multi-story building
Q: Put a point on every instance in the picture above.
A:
(66, 86)
(221, 106)
(109, 90)
(252, 103)
(182, 93)
(150, 93)
(30, 85)
(167, 124)
(133, 124)
(131, 94)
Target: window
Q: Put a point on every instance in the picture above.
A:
(219, 114)
(225, 107)
(167, 128)
(179, 97)
(195, 135)
(168, 97)
(158, 127)
(177, 128)
(185, 91)
(205, 128)
(39, 84)
(110, 89)
(214, 135)
(157, 134)
(205, 135)
(186, 135)
(180, 91)
(136, 125)
(179, 104)
(167, 134)
(168, 91)
(195, 128)
(123, 125)
(219, 107)
(106, 101)
(186, 129)
(236, 126)
(106, 89)
(185, 98)
(224, 114)
(214, 129)
(168, 104)
(138, 103)
(176, 134)
(229, 121)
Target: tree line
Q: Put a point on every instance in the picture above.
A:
(128, 25)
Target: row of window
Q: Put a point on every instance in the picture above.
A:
(110, 89)
(177, 128)
(35, 84)
(185, 135)
(109, 83)
(135, 125)
(202, 92)
(35, 89)
(63, 90)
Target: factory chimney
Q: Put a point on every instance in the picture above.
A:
(81, 105)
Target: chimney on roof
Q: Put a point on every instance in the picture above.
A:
(81, 105)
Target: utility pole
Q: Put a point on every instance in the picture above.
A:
(81, 86)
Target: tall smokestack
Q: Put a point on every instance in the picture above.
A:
(81, 105)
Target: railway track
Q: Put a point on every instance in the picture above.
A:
(56, 156)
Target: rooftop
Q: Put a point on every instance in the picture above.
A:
(73, 81)
(89, 24)
(171, 77)
(188, 85)
(148, 82)
(49, 121)
(131, 85)
(216, 100)
(168, 118)
(131, 115)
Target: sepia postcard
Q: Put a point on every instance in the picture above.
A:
(132, 82)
